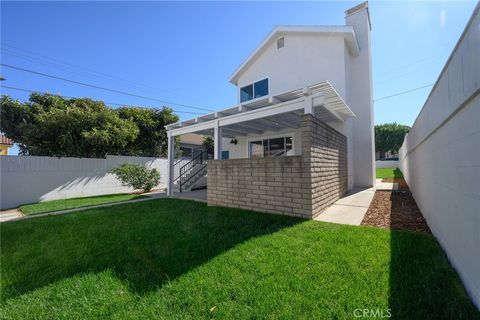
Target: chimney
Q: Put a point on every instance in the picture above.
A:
(360, 98)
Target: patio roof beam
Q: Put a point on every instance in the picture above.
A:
(237, 132)
(279, 123)
(264, 112)
(246, 116)
(261, 125)
(322, 94)
(247, 128)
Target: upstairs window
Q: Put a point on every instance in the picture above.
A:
(260, 88)
(255, 90)
(246, 93)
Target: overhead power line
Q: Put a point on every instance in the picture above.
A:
(69, 67)
(101, 88)
(403, 92)
(69, 97)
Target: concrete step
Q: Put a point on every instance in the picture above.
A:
(193, 177)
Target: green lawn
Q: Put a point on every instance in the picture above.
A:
(177, 259)
(389, 173)
(55, 205)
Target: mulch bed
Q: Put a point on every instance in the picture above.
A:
(395, 210)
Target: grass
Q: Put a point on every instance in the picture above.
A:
(56, 205)
(383, 173)
(177, 259)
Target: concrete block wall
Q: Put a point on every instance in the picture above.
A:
(300, 186)
(324, 152)
(386, 164)
(275, 185)
(440, 158)
(29, 179)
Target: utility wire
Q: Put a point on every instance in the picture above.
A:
(154, 99)
(59, 64)
(403, 92)
(58, 95)
(101, 88)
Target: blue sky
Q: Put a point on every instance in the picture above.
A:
(185, 51)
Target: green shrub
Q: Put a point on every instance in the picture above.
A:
(137, 176)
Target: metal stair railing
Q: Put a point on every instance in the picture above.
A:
(192, 168)
(180, 163)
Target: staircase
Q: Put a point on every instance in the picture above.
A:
(191, 173)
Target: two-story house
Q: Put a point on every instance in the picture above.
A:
(302, 132)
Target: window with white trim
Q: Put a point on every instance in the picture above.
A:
(255, 90)
(273, 147)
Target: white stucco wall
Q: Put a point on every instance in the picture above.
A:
(360, 100)
(33, 179)
(440, 159)
(304, 60)
(308, 59)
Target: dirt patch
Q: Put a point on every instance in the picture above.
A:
(395, 210)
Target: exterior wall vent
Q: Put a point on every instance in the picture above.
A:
(280, 42)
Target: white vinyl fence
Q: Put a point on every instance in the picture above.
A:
(440, 158)
(25, 179)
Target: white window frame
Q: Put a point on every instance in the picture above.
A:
(253, 88)
(282, 135)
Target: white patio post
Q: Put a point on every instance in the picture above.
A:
(171, 159)
(308, 108)
(217, 140)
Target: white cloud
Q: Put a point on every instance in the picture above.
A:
(443, 18)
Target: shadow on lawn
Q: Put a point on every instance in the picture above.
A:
(423, 285)
(144, 244)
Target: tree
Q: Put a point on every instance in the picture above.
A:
(152, 138)
(208, 144)
(50, 125)
(389, 137)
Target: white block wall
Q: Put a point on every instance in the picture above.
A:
(386, 164)
(33, 179)
(440, 158)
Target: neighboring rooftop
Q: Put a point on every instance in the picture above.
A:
(5, 140)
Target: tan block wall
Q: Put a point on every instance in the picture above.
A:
(324, 151)
(296, 185)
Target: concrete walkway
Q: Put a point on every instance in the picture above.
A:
(350, 209)
(385, 186)
(10, 214)
(197, 195)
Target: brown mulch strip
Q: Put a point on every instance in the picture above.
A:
(395, 210)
